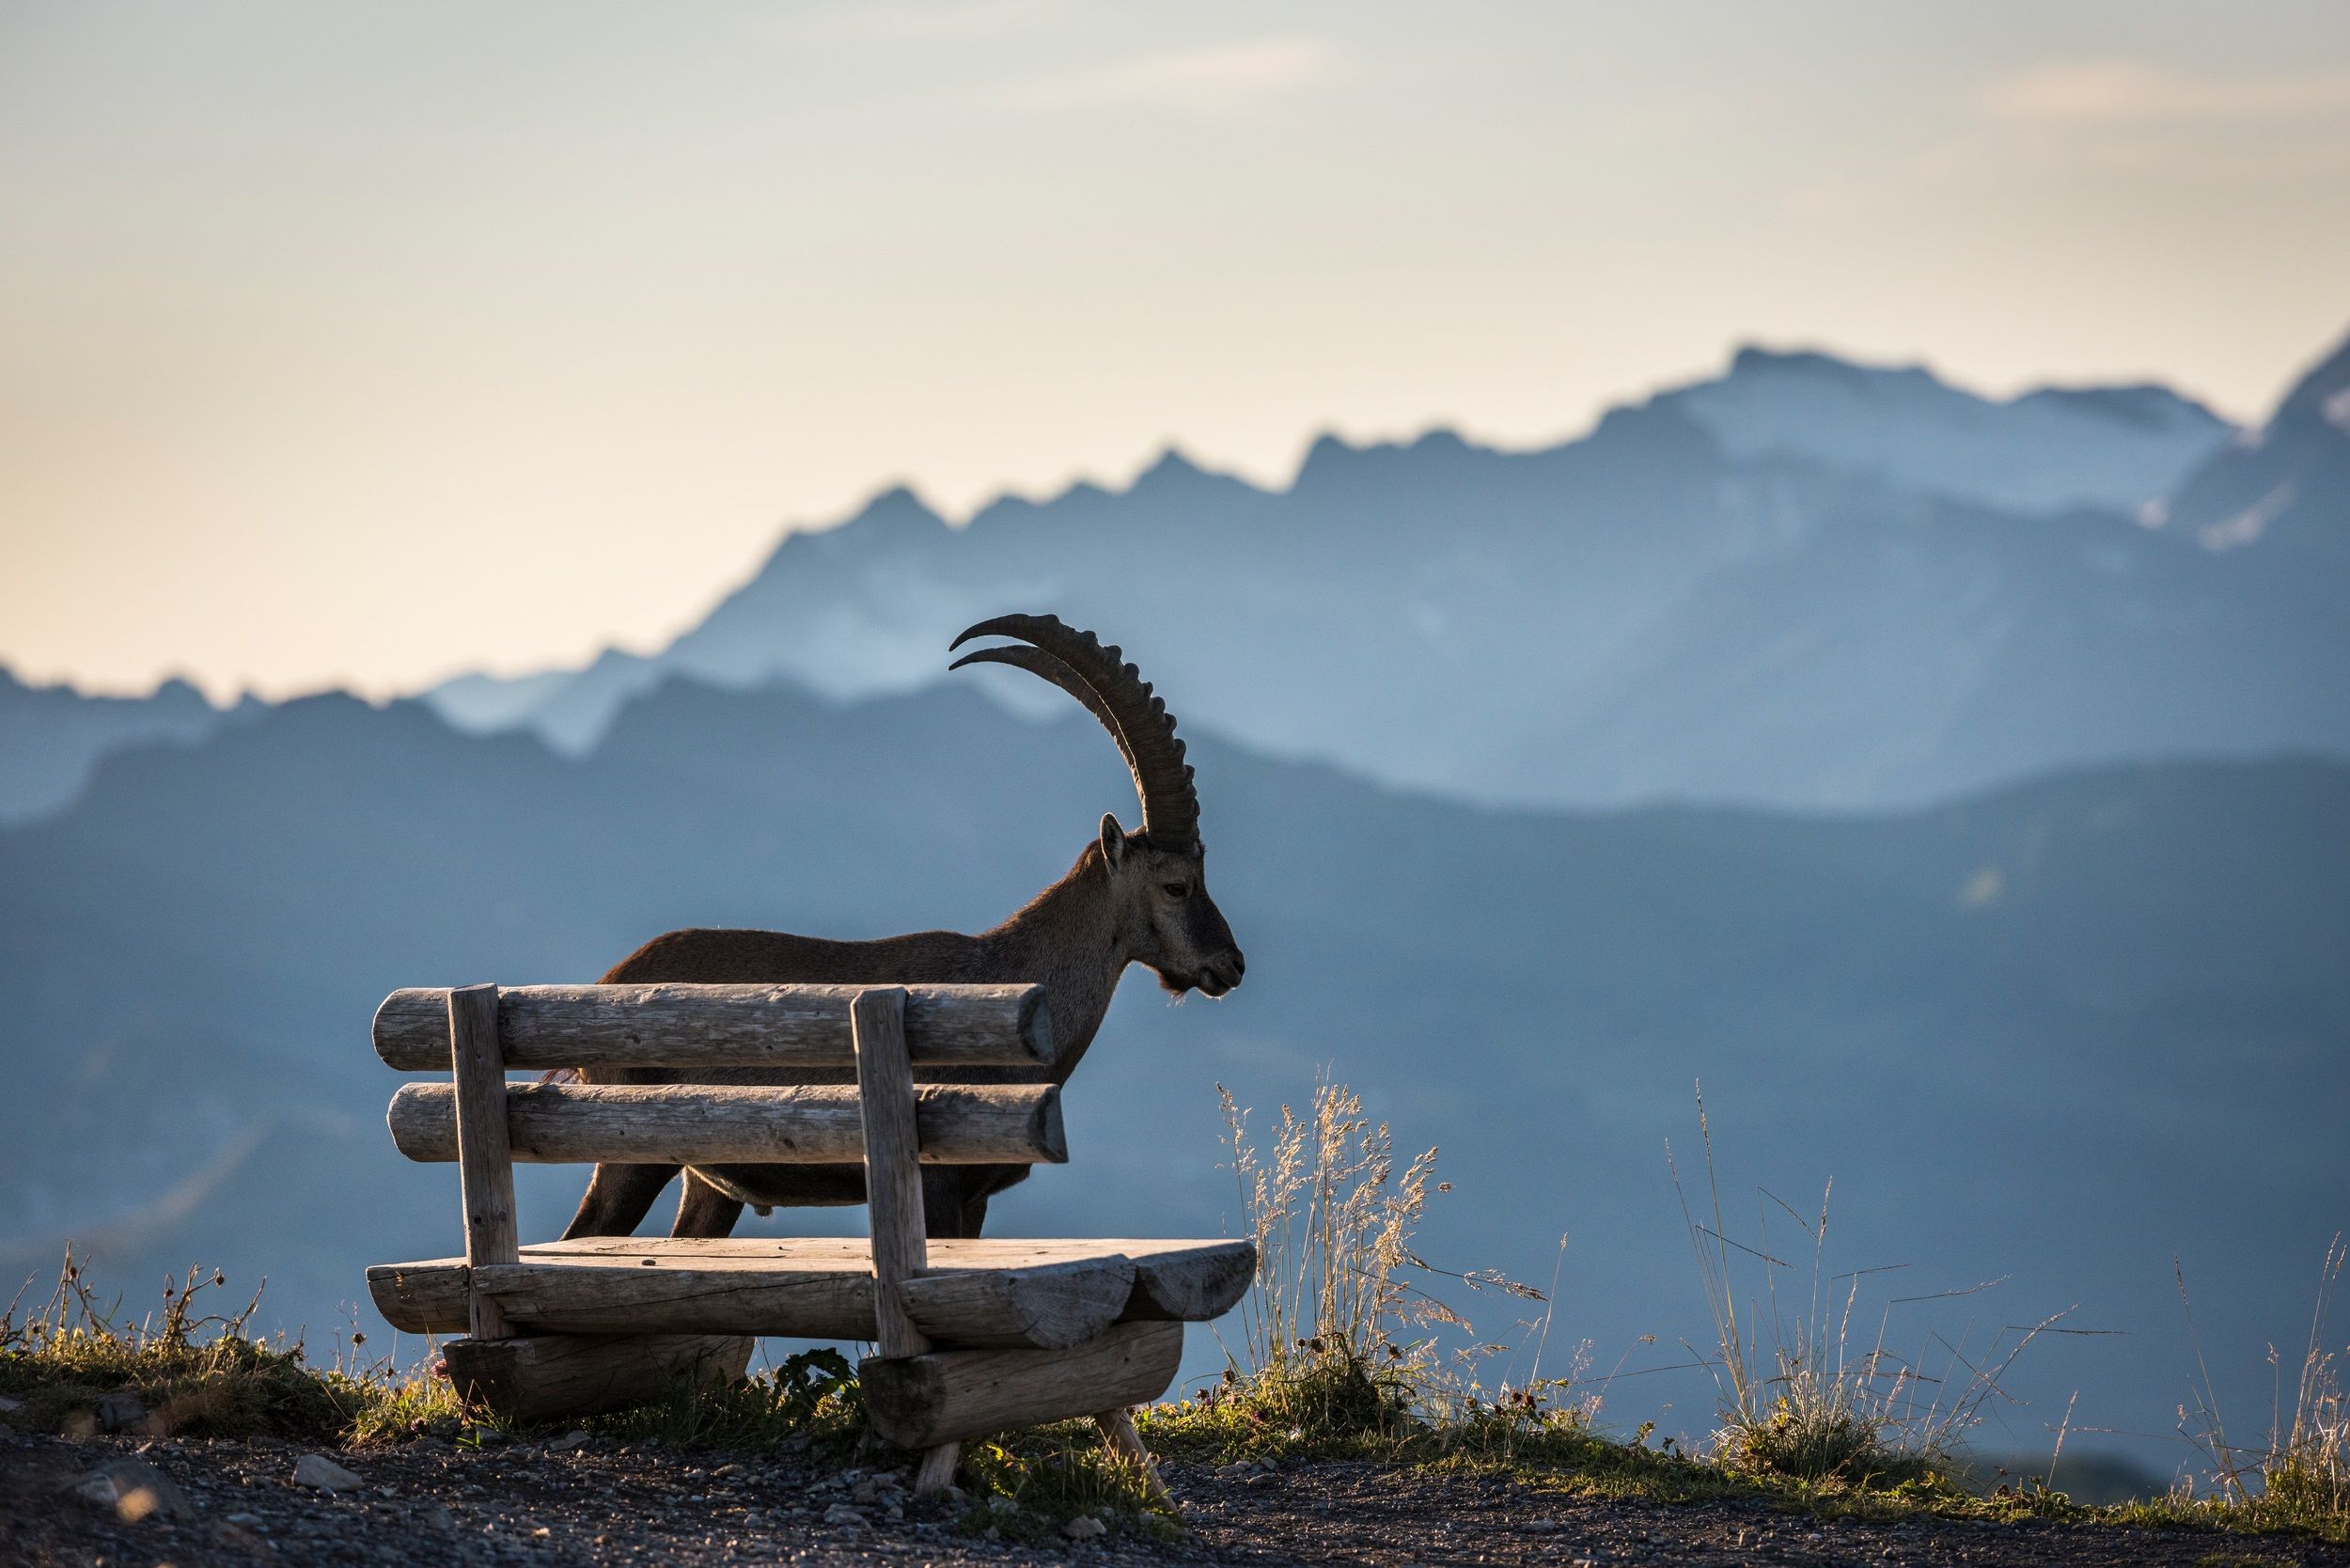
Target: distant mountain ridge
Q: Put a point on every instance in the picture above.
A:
(52, 736)
(1805, 584)
(2112, 448)
(2284, 488)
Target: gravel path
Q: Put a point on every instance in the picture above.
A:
(429, 1503)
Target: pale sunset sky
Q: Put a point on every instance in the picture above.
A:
(361, 344)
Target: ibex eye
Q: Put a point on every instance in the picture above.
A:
(1176, 889)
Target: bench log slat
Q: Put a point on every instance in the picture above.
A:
(947, 1396)
(541, 1026)
(1177, 1281)
(822, 1287)
(539, 1377)
(737, 1124)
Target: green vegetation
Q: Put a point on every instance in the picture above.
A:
(1026, 1486)
(1334, 1355)
(74, 1367)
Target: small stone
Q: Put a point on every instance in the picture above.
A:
(8, 1404)
(1000, 1504)
(841, 1514)
(121, 1411)
(1542, 1527)
(135, 1490)
(316, 1469)
(1084, 1526)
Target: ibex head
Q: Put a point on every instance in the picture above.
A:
(1157, 873)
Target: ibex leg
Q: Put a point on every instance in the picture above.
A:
(618, 1197)
(703, 1211)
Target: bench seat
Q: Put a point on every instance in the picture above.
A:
(986, 1292)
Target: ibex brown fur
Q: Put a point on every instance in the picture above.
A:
(1132, 898)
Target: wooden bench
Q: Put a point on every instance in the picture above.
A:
(971, 1337)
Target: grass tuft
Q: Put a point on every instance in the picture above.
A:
(812, 1403)
(1028, 1485)
(1804, 1396)
(186, 1372)
(2299, 1477)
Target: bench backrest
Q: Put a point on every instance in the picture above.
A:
(789, 1027)
(886, 1121)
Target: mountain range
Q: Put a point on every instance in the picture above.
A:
(52, 736)
(1805, 583)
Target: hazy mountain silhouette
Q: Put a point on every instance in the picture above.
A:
(2284, 491)
(52, 736)
(2054, 449)
(1805, 584)
(2057, 1031)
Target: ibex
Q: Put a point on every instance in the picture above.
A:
(1132, 898)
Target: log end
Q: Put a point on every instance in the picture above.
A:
(423, 1122)
(428, 1298)
(411, 1030)
(1034, 1026)
(1050, 1140)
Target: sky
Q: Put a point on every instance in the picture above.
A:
(363, 344)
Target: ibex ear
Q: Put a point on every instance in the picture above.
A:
(1113, 839)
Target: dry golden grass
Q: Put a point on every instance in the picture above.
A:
(1802, 1393)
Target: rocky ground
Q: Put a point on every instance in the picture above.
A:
(119, 1501)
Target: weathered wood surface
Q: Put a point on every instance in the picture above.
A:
(736, 1124)
(541, 1377)
(485, 1165)
(1118, 1430)
(719, 1026)
(1183, 1281)
(893, 1194)
(827, 1281)
(893, 1174)
(936, 1472)
(1046, 1305)
(947, 1396)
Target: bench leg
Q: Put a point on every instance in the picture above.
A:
(1117, 1430)
(937, 1471)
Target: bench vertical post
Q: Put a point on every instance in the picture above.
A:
(485, 1160)
(893, 1188)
